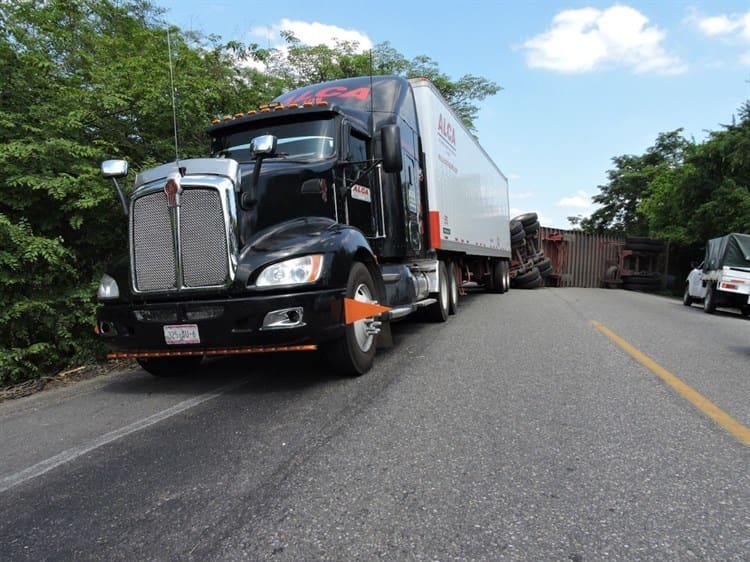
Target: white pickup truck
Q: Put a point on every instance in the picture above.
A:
(723, 279)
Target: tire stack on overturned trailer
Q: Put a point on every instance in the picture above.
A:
(640, 259)
(529, 266)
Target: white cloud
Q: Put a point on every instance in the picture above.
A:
(745, 59)
(588, 39)
(723, 25)
(311, 33)
(523, 195)
(580, 200)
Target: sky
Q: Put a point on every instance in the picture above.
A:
(583, 81)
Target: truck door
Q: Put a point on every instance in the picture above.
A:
(411, 187)
(358, 205)
(410, 182)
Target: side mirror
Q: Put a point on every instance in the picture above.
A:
(117, 169)
(264, 145)
(114, 168)
(390, 136)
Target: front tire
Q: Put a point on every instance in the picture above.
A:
(354, 353)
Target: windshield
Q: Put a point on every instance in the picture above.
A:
(306, 141)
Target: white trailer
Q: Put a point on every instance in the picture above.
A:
(467, 193)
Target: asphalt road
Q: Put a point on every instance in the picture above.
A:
(515, 431)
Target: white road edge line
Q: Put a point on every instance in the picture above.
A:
(73, 453)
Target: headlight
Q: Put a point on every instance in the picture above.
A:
(292, 272)
(108, 289)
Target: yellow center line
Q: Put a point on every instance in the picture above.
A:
(691, 395)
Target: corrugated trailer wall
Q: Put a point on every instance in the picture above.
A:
(579, 259)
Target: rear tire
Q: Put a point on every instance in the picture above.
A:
(526, 280)
(169, 366)
(354, 353)
(517, 238)
(500, 276)
(531, 229)
(527, 218)
(452, 289)
(709, 302)
(438, 312)
(545, 267)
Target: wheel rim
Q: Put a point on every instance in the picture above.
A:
(364, 339)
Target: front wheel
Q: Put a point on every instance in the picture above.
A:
(169, 366)
(354, 353)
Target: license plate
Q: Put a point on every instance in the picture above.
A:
(181, 334)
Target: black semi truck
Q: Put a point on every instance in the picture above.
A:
(314, 223)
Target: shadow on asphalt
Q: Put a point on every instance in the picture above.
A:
(720, 312)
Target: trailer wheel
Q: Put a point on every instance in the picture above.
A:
(504, 269)
(527, 218)
(532, 284)
(438, 312)
(687, 300)
(531, 229)
(452, 289)
(709, 302)
(523, 280)
(517, 238)
(545, 267)
(169, 366)
(354, 353)
(500, 277)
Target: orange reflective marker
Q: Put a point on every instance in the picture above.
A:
(357, 310)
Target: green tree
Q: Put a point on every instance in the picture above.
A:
(630, 183)
(709, 195)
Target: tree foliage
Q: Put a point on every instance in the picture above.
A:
(709, 195)
(679, 190)
(629, 185)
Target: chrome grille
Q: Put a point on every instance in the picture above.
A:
(203, 243)
(153, 244)
(203, 239)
